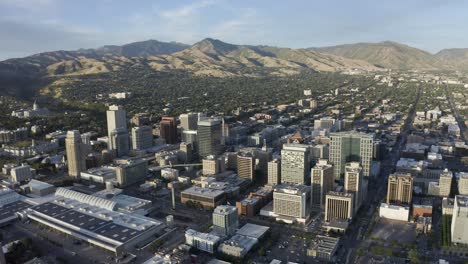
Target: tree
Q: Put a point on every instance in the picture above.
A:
(414, 256)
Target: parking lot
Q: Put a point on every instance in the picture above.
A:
(392, 230)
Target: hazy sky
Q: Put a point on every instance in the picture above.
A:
(32, 26)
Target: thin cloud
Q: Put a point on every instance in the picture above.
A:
(186, 10)
(30, 5)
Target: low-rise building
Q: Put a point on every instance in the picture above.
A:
(248, 207)
(203, 241)
(21, 173)
(323, 248)
(207, 197)
(99, 174)
(38, 188)
(394, 212)
(447, 206)
(237, 246)
(424, 224)
(422, 207)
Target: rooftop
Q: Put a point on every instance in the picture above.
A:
(244, 242)
(35, 184)
(247, 201)
(103, 171)
(296, 189)
(203, 236)
(325, 244)
(195, 190)
(340, 194)
(224, 209)
(461, 200)
(252, 230)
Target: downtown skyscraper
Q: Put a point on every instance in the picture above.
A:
(351, 147)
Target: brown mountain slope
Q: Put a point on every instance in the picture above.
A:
(387, 54)
(456, 57)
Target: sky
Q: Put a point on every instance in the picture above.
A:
(32, 26)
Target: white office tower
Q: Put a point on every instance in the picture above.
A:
(142, 137)
(462, 178)
(322, 181)
(354, 183)
(116, 118)
(76, 153)
(292, 201)
(348, 147)
(189, 121)
(295, 164)
(274, 172)
(120, 142)
(225, 220)
(459, 228)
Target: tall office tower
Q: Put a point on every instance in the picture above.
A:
(462, 183)
(186, 149)
(262, 157)
(295, 164)
(459, 228)
(168, 127)
(445, 183)
(225, 220)
(351, 146)
(353, 183)
(291, 200)
(322, 181)
(338, 205)
(245, 165)
(116, 118)
(75, 153)
(274, 172)
(86, 138)
(190, 137)
(224, 132)
(319, 151)
(211, 165)
(400, 189)
(140, 119)
(189, 121)
(209, 137)
(142, 137)
(120, 141)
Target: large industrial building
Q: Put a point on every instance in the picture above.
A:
(10, 204)
(94, 219)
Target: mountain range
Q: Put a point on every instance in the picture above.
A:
(213, 57)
